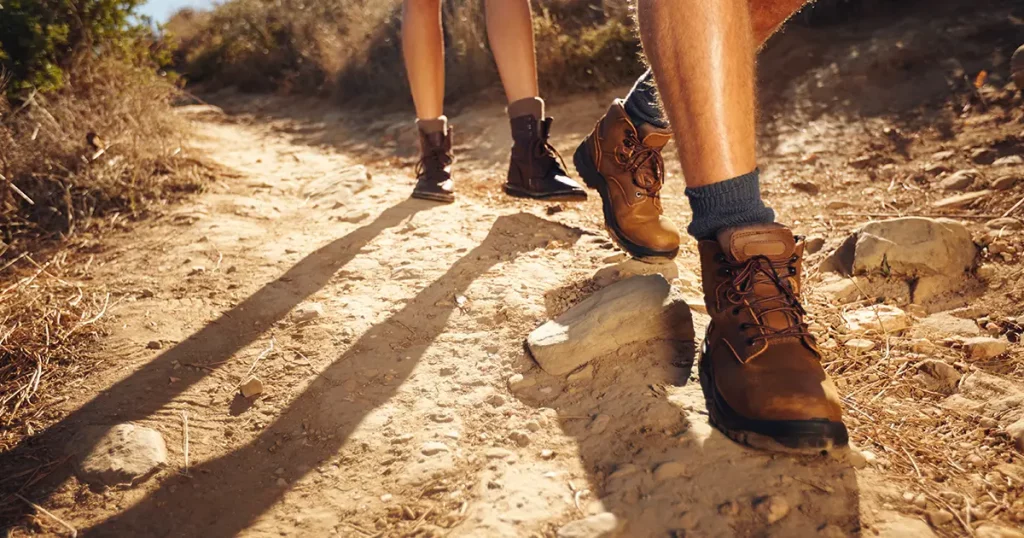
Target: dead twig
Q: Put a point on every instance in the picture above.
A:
(184, 427)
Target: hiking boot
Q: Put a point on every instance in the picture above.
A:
(760, 367)
(434, 171)
(625, 165)
(536, 169)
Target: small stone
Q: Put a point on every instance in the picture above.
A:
(497, 453)
(983, 347)
(308, 312)
(1005, 183)
(832, 531)
(814, 244)
(601, 525)
(670, 470)
(154, 344)
(943, 155)
(959, 181)
(961, 200)
(856, 458)
(908, 496)
(433, 447)
(533, 426)
(521, 438)
(730, 508)
(402, 439)
(117, 455)
(251, 388)
(937, 376)
(859, 345)
(518, 382)
(806, 186)
(281, 482)
(921, 501)
(197, 270)
(877, 319)
(1009, 160)
(599, 424)
(983, 156)
(939, 518)
(442, 417)
(547, 454)
(987, 422)
(386, 497)
(496, 400)
(772, 509)
(985, 272)
(1016, 432)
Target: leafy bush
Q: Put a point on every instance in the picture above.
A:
(350, 48)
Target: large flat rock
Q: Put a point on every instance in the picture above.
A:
(633, 310)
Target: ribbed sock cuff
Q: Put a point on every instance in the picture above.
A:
(433, 125)
(729, 203)
(643, 105)
(531, 106)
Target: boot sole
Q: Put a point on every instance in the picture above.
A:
(433, 197)
(593, 179)
(806, 437)
(547, 197)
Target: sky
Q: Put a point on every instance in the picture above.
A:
(161, 10)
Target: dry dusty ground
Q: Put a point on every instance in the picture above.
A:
(390, 413)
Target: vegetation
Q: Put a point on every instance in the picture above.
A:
(349, 48)
(86, 132)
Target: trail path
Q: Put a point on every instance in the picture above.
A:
(390, 414)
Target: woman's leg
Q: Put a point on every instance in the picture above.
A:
(510, 32)
(423, 49)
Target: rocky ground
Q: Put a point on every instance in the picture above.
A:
(304, 351)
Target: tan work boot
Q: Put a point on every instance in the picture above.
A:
(625, 165)
(760, 367)
(434, 171)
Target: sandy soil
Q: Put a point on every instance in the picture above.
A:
(390, 413)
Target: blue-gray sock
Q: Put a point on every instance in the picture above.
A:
(643, 105)
(730, 203)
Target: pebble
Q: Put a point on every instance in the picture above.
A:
(983, 156)
(1009, 160)
(806, 186)
(252, 387)
(496, 400)
(402, 439)
(308, 312)
(1007, 223)
(521, 438)
(1005, 183)
(814, 244)
(154, 344)
(442, 418)
(547, 454)
(878, 319)
(281, 482)
(117, 455)
(1016, 432)
(730, 508)
(600, 423)
(498, 453)
(860, 345)
(983, 347)
(386, 497)
(939, 518)
(433, 447)
(959, 181)
(533, 425)
(772, 509)
(518, 382)
(986, 272)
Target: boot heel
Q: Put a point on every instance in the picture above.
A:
(584, 164)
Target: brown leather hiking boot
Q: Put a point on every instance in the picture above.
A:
(760, 367)
(536, 170)
(626, 167)
(434, 171)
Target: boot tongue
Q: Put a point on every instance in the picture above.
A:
(652, 136)
(773, 241)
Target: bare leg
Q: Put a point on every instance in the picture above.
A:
(702, 53)
(423, 49)
(510, 32)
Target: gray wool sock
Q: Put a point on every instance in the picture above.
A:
(643, 105)
(730, 203)
(433, 125)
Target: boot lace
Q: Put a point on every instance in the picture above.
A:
(740, 291)
(433, 162)
(638, 155)
(542, 148)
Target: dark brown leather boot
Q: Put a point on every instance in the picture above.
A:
(760, 367)
(434, 171)
(536, 170)
(625, 165)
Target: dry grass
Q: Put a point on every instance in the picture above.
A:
(72, 164)
(349, 48)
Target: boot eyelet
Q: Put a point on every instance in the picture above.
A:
(639, 194)
(720, 258)
(792, 270)
(750, 342)
(793, 259)
(725, 272)
(736, 311)
(744, 326)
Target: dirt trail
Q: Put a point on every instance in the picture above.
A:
(386, 330)
(390, 414)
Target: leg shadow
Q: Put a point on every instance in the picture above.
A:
(655, 462)
(146, 391)
(227, 494)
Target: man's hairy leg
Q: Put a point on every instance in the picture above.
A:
(702, 54)
(423, 49)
